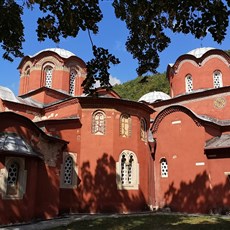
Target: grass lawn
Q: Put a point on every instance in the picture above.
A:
(151, 221)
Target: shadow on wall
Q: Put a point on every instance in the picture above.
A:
(99, 193)
(198, 196)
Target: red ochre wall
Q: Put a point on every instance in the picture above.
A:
(35, 80)
(98, 165)
(194, 183)
(206, 106)
(69, 199)
(60, 80)
(47, 194)
(182, 145)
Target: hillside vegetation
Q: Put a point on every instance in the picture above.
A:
(136, 88)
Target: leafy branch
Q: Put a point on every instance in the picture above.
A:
(98, 68)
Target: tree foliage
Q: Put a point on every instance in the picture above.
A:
(147, 22)
(136, 88)
(228, 52)
(97, 69)
(11, 29)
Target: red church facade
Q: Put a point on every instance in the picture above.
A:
(192, 135)
(65, 152)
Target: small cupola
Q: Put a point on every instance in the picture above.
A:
(54, 68)
(199, 70)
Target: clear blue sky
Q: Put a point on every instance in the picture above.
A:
(112, 35)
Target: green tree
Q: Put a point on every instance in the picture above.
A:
(139, 86)
(228, 52)
(147, 22)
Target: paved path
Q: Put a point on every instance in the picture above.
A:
(47, 224)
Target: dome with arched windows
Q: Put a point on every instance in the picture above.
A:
(54, 68)
(154, 97)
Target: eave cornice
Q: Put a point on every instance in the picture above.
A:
(98, 102)
(198, 119)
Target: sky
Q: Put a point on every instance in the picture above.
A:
(112, 36)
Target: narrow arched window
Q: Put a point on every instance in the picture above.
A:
(27, 71)
(217, 79)
(143, 130)
(68, 170)
(12, 179)
(127, 170)
(188, 83)
(48, 76)
(98, 123)
(164, 167)
(72, 82)
(125, 125)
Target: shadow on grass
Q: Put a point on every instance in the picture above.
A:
(151, 221)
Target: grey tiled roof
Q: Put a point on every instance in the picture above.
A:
(222, 141)
(11, 142)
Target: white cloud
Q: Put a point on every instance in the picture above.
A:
(113, 81)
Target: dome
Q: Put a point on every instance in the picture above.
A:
(61, 52)
(154, 96)
(199, 52)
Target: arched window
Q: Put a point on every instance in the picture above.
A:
(125, 125)
(98, 123)
(188, 83)
(217, 79)
(12, 179)
(72, 82)
(143, 130)
(68, 170)
(48, 76)
(127, 171)
(164, 167)
(27, 71)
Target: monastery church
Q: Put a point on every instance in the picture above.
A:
(62, 151)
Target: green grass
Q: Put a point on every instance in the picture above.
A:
(151, 221)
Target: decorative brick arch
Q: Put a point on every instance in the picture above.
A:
(173, 109)
(28, 65)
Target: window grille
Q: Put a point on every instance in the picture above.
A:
(189, 83)
(143, 130)
(48, 73)
(217, 79)
(127, 171)
(13, 178)
(72, 83)
(125, 125)
(68, 170)
(13, 170)
(127, 168)
(164, 168)
(98, 123)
